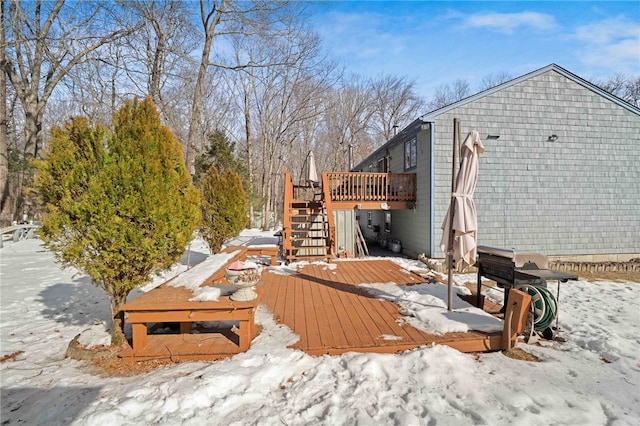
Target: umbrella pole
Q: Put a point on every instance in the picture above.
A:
(452, 206)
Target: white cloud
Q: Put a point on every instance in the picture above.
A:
(509, 22)
(614, 42)
(608, 31)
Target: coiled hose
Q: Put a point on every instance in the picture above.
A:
(543, 305)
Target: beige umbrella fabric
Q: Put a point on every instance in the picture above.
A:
(465, 220)
(312, 176)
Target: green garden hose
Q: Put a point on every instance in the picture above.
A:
(543, 305)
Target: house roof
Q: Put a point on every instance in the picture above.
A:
(398, 138)
(429, 117)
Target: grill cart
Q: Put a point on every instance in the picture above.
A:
(527, 271)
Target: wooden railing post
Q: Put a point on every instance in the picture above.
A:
(326, 194)
(286, 214)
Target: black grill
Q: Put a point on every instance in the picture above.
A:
(510, 268)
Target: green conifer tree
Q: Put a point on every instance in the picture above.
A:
(224, 207)
(219, 152)
(120, 205)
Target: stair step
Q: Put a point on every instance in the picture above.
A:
(309, 232)
(309, 225)
(307, 257)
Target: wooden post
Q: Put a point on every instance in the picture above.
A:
(139, 335)
(517, 309)
(329, 211)
(286, 215)
(452, 205)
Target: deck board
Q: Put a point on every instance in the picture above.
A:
(332, 315)
(336, 328)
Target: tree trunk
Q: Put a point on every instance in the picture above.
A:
(210, 22)
(32, 127)
(247, 132)
(4, 154)
(117, 317)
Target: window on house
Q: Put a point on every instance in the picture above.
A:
(369, 220)
(410, 154)
(387, 221)
(383, 165)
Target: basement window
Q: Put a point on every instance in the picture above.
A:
(387, 222)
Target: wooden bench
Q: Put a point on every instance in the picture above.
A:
(168, 304)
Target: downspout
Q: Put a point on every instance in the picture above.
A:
(432, 184)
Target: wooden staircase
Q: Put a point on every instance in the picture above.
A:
(309, 232)
(308, 224)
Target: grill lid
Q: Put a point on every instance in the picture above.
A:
(519, 258)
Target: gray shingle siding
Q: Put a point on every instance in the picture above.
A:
(578, 195)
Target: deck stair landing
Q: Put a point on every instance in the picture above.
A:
(309, 231)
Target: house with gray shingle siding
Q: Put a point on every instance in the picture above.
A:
(560, 173)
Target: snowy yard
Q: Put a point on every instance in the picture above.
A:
(591, 379)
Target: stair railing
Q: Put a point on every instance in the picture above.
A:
(286, 214)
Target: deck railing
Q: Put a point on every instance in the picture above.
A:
(345, 186)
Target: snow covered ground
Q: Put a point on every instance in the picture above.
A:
(591, 379)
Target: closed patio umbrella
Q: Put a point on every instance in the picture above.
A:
(464, 221)
(312, 175)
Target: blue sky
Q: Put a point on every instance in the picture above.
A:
(438, 42)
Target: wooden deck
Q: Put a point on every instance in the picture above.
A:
(322, 303)
(325, 307)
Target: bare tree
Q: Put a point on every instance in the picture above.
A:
(45, 41)
(395, 103)
(94, 88)
(286, 97)
(492, 80)
(244, 94)
(347, 124)
(614, 84)
(446, 94)
(4, 153)
(632, 91)
(161, 50)
(260, 21)
(623, 86)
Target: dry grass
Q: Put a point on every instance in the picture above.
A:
(633, 276)
(115, 366)
(517, 353)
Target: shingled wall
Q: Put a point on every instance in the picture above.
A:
(578, 195)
